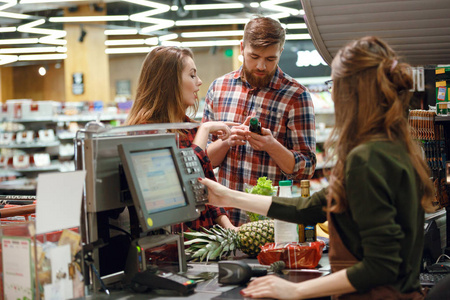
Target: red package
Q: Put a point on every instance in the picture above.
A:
(294, 255)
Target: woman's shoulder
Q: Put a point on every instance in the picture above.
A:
(375, 152)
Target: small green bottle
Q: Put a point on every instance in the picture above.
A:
(255, 126)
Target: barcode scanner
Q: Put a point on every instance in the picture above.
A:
(239, 272)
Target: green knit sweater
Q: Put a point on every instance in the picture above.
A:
(383, 227)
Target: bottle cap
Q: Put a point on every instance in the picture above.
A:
(254, 121)
(285, 183)
(304, 183)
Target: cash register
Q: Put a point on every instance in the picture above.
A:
(147, 177)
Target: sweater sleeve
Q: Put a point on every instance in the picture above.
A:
(370, 197)
(299, 210)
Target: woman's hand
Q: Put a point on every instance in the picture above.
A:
(271, 287)
(221, 129)
(218, 194)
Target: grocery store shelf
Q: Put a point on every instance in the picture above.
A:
(31, 145)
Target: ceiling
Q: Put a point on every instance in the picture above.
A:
(36, 25)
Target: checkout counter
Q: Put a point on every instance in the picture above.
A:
(211, 288)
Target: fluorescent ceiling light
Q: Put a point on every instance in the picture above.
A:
(211, 22)
(272, 5)
(18, 41)
(157, 27)
(276, 2)
(296, 26)
(174, 8)
(125, 42)
(211, 43)
(44, 1)
(4, 14)
(202, 43)
(7, 59)
(8, 5)
(279, 15)
(254, 4)
(300, 36)
(152, 41)
(42, 57)
(142, 16)
(32, 50)
(128, 50)
(88, 19)
(197, 34)
(149, 4)
(8, 29)
(168, 37)
(51, 40)
(213, 6)
(121, 31)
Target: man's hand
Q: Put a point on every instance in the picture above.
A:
(259, 142)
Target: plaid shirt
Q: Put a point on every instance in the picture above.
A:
(284, 107)
(210, 213)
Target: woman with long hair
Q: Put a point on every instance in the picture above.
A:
(378, 193)
(168, 86)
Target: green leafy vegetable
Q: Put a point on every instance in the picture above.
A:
(263, 187)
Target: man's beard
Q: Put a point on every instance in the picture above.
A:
(257, 81)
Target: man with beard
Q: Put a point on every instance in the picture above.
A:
(286, 148)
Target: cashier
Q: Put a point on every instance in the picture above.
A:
(378, 192)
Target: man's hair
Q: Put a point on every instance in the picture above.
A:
(264, 32)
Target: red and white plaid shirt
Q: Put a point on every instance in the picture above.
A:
(284, 107)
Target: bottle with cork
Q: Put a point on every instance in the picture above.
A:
(306, 233)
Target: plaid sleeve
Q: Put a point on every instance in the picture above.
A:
(301, 137)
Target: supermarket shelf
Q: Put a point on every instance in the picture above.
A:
(54, 166)
(31, 145)
(73, 118)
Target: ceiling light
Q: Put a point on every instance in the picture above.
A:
(213, 6)
(125, 42)
(211, 43)
(142, 16)
(18, 41)
(279, 15)
(128, 50)
(149, 4)
(211, 22)
(300, 36)
(121, 31)
(168, 37)
(31, 24)
(157, 27)
(296, 26)
(42, 71)
(88, 19)
(44, 1)
(254, 4)
(273, 5)
(42, 57)
(8, 29)
(32, 50)
(4, 14)
(8, 5)
(51, 40)
(197, 34)
(7, 59)
(152, 41)
(174, 8)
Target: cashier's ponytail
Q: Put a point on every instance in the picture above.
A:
(371, 94)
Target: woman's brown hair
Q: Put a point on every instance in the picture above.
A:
(159, 92)
(371, 98)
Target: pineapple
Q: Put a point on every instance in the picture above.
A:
(217, 242)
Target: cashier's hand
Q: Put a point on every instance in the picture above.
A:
(270, 287)
(218, 194)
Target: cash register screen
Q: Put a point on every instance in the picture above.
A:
(158, 180)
